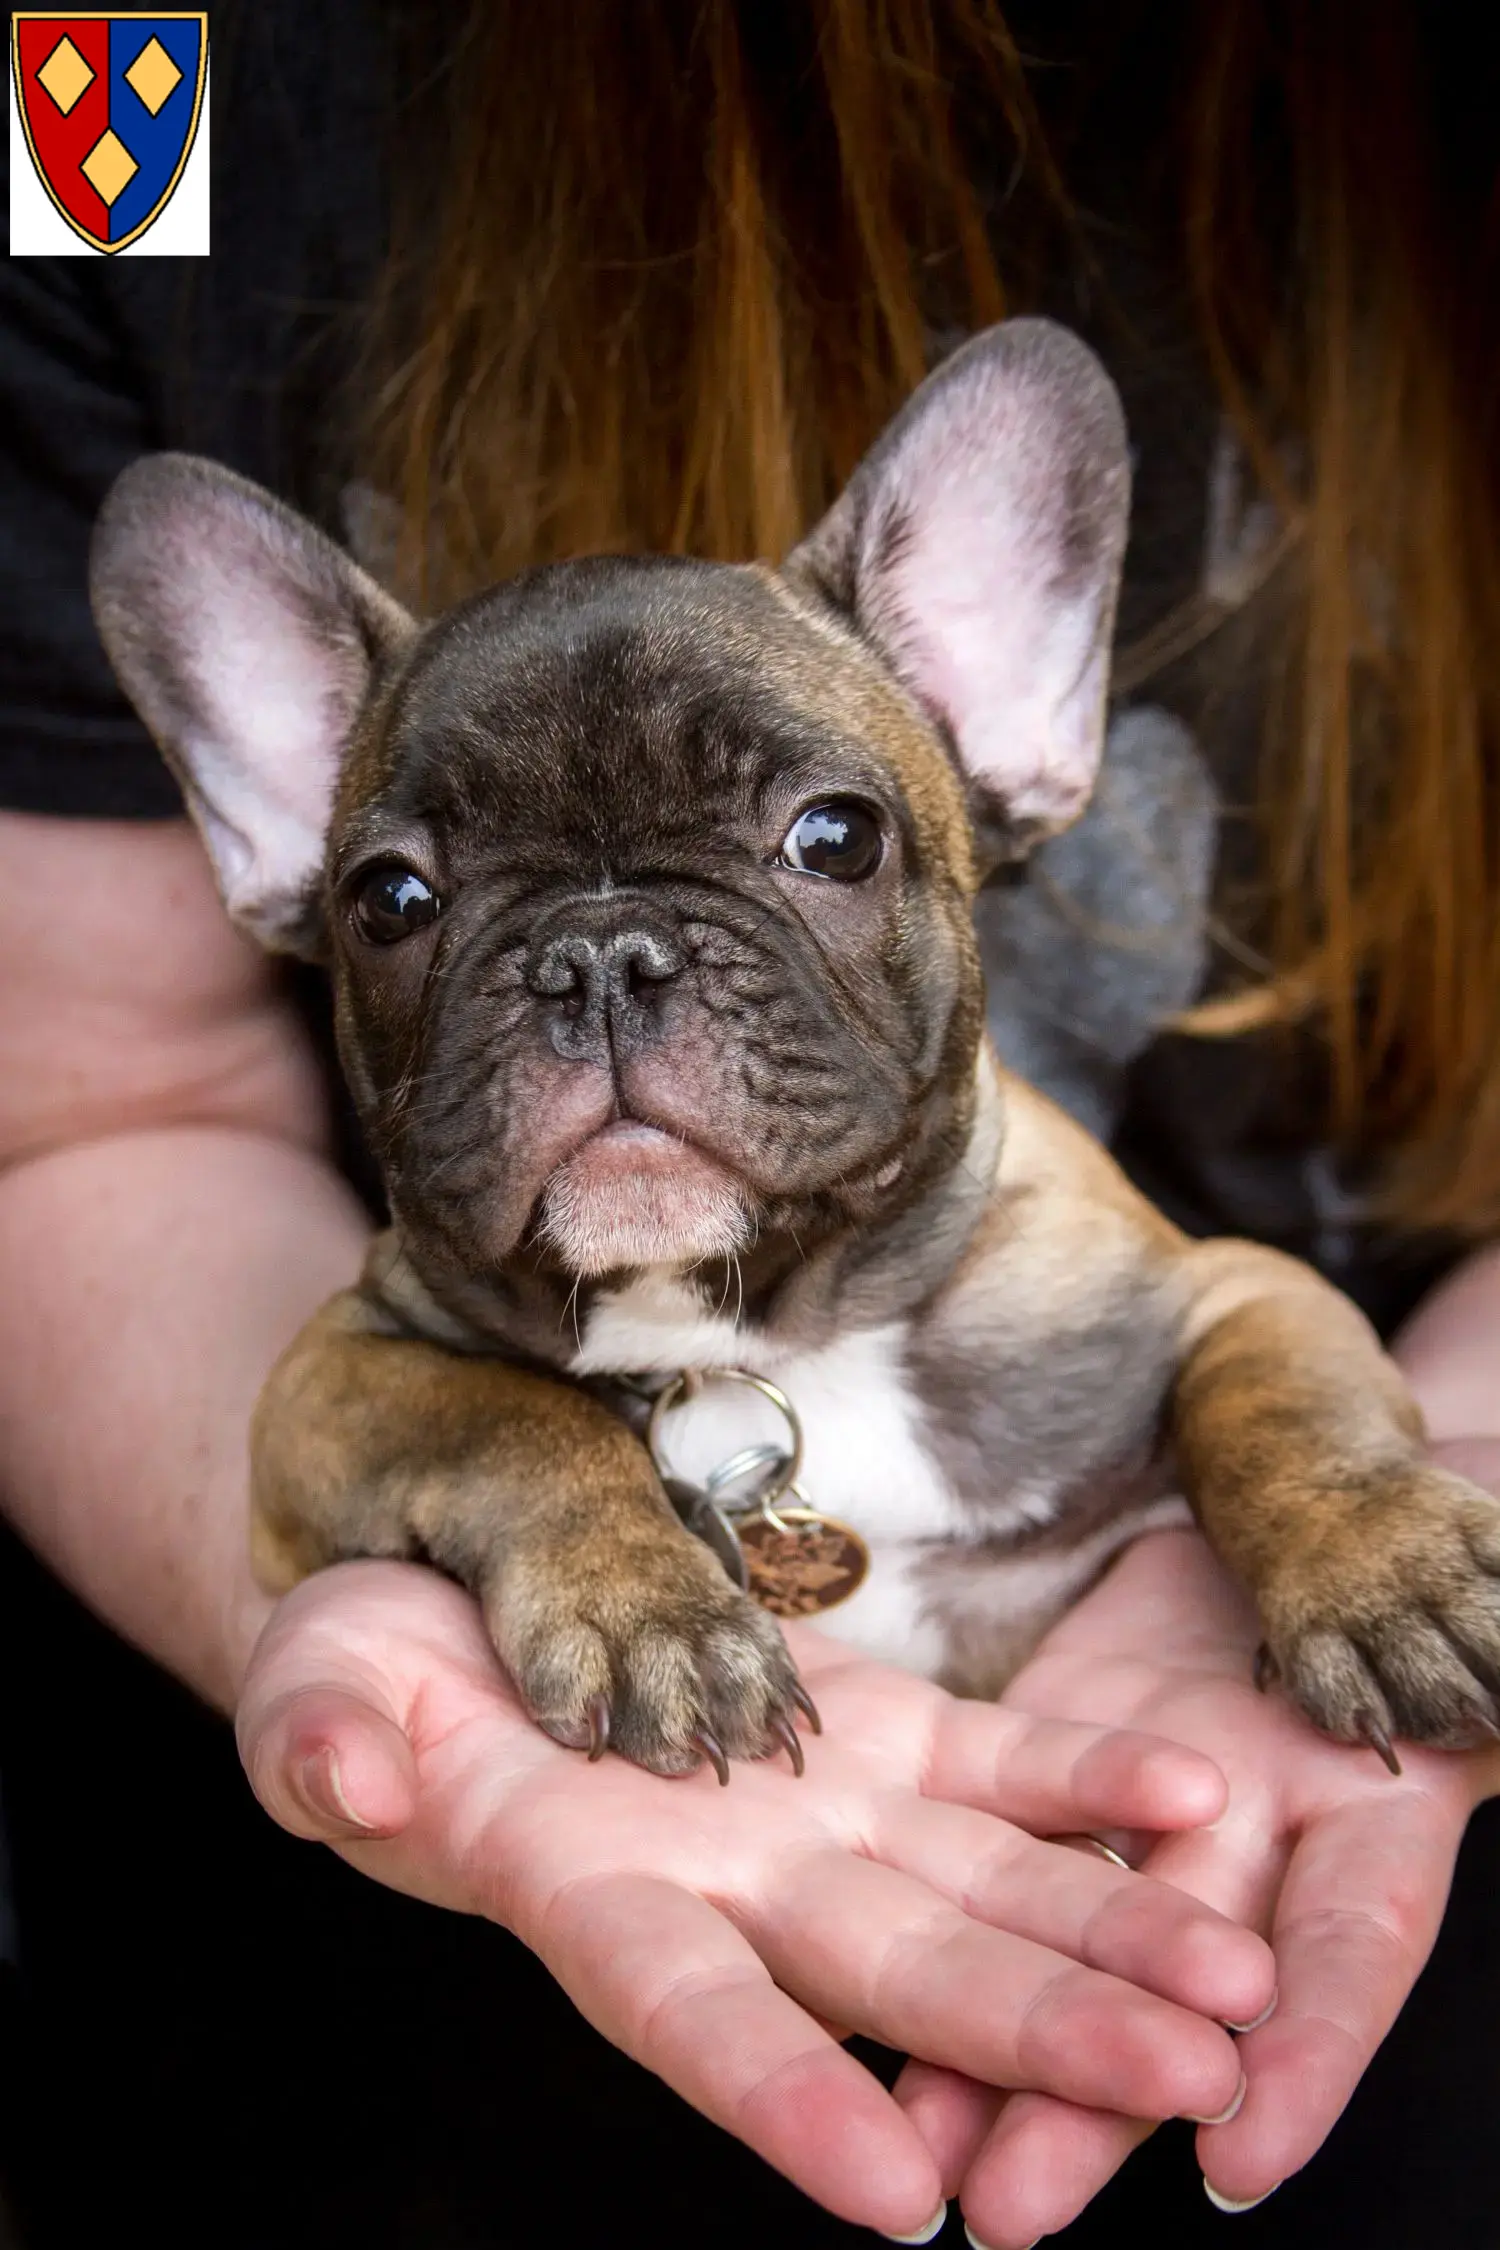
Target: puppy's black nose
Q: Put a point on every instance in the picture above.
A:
(604, 978)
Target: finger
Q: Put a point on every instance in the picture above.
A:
(1041, 2164)
(1234, 1867)
(1045, 2160)
(1356, 1920)
(329, 1764)
(1050, 1775)
(670, 1980)
(1150, 1933)
(952, 2113)
(867, 1946)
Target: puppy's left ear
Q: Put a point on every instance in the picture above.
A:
(979, 546)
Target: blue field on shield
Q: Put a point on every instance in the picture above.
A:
(156, 142)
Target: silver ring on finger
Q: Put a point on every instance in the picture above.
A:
(1093, 1844)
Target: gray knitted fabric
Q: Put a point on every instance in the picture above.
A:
(1105, 938)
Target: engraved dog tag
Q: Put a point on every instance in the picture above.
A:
(801, 1562)
(708, 1522)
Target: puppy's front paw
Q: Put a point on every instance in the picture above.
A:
(1385, 1619)
(656, 1655)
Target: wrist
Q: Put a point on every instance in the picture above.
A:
(1477, 1458)
(1447, 1352)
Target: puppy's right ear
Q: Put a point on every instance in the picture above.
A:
(247, 641)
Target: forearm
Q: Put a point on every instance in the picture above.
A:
(1450, 1351)
(150, 1279)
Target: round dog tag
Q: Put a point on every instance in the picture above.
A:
(792, 1560)
(801, 1562)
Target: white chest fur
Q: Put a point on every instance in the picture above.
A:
(866, 1461)
(865, 1458)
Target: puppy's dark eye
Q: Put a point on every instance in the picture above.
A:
(392, 903)
(840, 840)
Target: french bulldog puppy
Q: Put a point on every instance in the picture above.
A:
(646, 887)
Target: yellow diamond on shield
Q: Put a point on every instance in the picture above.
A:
(109, 167)
(65, 74)
(153, 75)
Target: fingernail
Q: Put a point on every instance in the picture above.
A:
(975, 2244)
(933, 2227)
(1265, 2016)
(1224, 2203)
(1225, 2114)
(322, 1790)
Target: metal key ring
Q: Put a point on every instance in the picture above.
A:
(786, 1520)
(687, 1386)
(749, 1457)
(765, 1504)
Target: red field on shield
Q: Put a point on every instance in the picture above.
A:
(62, 139)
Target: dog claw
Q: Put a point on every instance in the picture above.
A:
(806, 1706)
(598, 1708)
(786, 1735)
(1380, 1743)
(714, 1752)
(1267, 1671)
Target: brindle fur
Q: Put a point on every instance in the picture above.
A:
(369, 1442)
(628, 741)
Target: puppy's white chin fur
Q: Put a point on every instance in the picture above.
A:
(633, 1196)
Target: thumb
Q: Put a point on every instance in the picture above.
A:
(328, 1762)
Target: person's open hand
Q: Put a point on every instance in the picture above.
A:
(1345, 1866)
(716, 1934)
